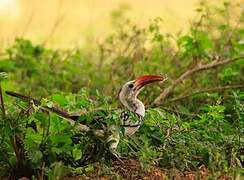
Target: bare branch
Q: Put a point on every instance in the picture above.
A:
(200, 67)
(207, 90)
(1, 101)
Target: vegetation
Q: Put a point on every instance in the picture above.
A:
(194, 122)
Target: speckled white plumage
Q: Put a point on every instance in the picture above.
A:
(128, 97)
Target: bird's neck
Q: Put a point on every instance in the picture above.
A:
(135, 105)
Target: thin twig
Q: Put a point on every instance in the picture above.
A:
(236, 86)
(42, 171)
(200, 67)
(1, 101)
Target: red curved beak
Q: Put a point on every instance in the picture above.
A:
(147, 79)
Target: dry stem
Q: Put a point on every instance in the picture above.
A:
(200, 67)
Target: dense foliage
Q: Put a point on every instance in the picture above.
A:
(199, 122)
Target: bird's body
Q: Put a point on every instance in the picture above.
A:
(128, 97)
(130, 120)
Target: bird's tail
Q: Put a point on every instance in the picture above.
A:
(61, 112)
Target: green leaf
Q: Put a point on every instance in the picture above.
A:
(186, 41)
(89, 168)
(61, 140)
(32, 138)
(77, 153)
(240, 45)
(35, 156)
(60, 99)
(7, 65)
(205, 42)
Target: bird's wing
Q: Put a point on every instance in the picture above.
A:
(130, 119)
(131, 122)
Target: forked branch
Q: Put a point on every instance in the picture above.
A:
(200, 67)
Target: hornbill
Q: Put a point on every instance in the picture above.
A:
(130, 120)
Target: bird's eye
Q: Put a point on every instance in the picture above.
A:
(131, 85)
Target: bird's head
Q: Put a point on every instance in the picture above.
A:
(130, 90)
